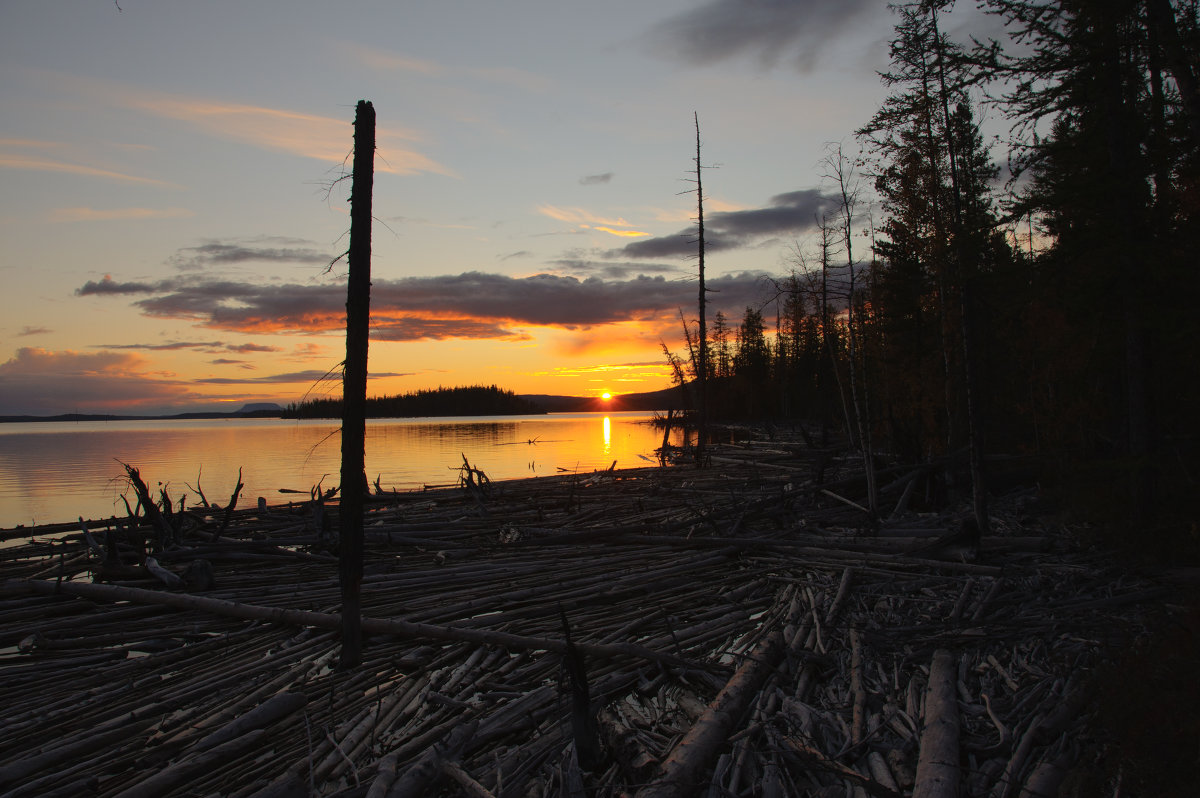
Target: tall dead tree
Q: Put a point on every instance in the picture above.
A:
(840, 170)
(702, 344)
(354, 386)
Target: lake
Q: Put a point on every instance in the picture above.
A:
(57, 471)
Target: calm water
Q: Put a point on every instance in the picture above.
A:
(52, 472)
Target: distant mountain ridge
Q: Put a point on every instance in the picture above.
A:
(249, 410)
(666, 399)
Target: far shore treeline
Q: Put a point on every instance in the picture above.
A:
(475, 400)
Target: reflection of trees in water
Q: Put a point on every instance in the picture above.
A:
(69, 470)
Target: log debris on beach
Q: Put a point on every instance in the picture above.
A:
(733, 630)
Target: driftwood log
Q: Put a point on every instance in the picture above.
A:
(738, 631)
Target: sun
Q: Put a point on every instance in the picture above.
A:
(606, 396)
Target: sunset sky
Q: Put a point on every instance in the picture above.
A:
(170, 199)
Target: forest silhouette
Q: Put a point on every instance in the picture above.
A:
(1049, 316)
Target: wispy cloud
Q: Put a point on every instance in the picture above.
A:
(117, 214)
(308, 376)
(204, 346)
(300, 133)
(38, 164)
(27, 331)
(596, 180)
(382, 60)
(323, 138)
(263, 250)
(579, 216)
(588, 221)
(791, 213)
(621, 233)
(583, 266)
(771, 30)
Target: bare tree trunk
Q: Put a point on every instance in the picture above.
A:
(354, 386)
(842, 174)
(702, 344)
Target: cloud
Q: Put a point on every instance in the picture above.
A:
(307, 135)
(383, 60)
(107, 285)
(26, 331)
(387, 61)
(8, 161)
(584, 267)
(323, 138)
(580, 216)
(588, 221)
(307, 376)
(472, 305)
(43, 382)
(621, 233)
(209, 346)
(417, 328)
(243, 348)
(596, 180)
(787, 214)
(769, 29)
(223, 254)
(117, 214)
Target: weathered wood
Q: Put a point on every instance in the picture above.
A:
(682, 772)
(169, 778)
(354, 386)
(419, 778)
(671, 578)
(938, 771)
(270, 711)
(322, 620)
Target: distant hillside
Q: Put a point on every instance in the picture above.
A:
(252, 410)
(666, 399)
(475, 400)
(260, 409)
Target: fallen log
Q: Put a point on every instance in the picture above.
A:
(937, 766)
(326, 620)
(273, 709)
(172, 776)
(681, 773)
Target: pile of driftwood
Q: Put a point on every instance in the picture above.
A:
(739, 629)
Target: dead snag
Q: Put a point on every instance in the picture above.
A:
(152, 512)
(233, 500)
(354, 387)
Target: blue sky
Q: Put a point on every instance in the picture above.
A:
(170, 197)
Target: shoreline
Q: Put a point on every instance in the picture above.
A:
(682, 588)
